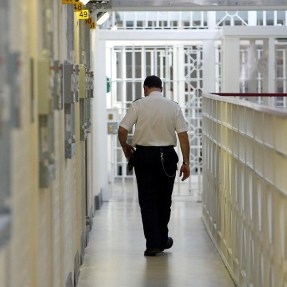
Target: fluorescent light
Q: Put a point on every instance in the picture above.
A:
(85, 1)
(103, 18)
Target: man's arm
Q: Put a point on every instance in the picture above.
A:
(185, 148)
(123, 136)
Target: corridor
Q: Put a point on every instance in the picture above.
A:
(114, 255)
(68, 74)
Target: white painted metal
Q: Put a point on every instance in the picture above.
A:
(201, 53)
(100, 173)
(153, 37)
(258, 58)
(183, 84)
(244, 188)
(167, 5)
(230, 65)
(188, 20)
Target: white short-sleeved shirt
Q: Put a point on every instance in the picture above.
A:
(157, 121)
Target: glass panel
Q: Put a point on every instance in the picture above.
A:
(148, 63)
(259, 18)
(139, 90)
(138, 64)
(130, 24)
(281, 67)
(270, 18)
(280, 86)
(129, 65)
(129, 87)
(119, 92)
(281, 18)
(118, 65)
(119, 155)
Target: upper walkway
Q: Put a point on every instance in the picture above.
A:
(114, 255)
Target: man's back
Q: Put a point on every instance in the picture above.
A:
(157, 119)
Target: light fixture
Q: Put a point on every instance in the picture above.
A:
(103, 18)
(85, 1)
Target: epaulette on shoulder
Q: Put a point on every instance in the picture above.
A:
(137, 99)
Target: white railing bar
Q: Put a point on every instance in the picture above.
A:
(243, 103)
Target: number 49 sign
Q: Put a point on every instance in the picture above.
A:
(83, 14)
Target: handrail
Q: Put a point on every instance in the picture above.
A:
(231, 98)
(244, 188)
(264, 95)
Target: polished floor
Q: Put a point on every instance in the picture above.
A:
(114, 255)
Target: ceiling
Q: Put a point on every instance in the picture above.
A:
(171, 5)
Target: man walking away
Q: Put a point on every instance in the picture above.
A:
(157, 121)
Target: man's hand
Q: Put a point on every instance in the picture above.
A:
(184, 172)
(128, 150)
(184, 145)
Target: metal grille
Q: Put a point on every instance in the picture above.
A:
(133, 65)
(234, 18)
(193, 103)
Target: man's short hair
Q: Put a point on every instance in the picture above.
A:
(153, 82)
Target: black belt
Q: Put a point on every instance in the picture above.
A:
(154, 147)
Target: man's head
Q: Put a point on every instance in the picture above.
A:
(151, 84)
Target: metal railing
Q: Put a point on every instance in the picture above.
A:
(245, 188)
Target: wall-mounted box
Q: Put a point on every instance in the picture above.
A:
(113, 121)
(68, 83)
(113, 128)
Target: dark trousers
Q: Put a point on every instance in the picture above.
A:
(155, 180)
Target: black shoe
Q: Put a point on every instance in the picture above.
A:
(151, 251)
(168, 244)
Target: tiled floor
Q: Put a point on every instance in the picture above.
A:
(114, 255)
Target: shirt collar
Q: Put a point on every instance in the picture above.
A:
(155, 94)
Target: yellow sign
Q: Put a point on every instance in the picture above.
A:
(89, 21)
(83, 14)
(79, 6)
(70, 1)
(93, 25)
